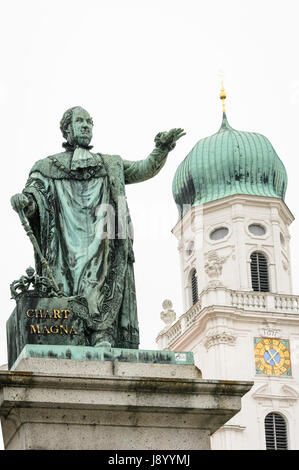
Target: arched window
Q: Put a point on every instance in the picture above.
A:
(194, 287)
(276, 432)
(259, 272)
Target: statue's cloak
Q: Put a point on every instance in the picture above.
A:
(84, 231)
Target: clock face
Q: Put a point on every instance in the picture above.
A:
(272, 356)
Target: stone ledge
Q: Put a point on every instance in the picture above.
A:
(102, 354)
(22, 380)
(74, 368)
(64, 411)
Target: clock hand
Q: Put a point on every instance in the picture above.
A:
(272, 356)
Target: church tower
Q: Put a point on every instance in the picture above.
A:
(241, 319)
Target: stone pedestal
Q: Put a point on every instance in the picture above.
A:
(73, 404)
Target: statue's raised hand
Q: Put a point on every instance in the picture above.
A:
(167, 140)
(19, 202)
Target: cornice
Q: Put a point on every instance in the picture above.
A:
(244, 200)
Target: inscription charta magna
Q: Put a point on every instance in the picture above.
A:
(56, 328)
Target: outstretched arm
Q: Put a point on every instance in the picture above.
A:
(142, 170)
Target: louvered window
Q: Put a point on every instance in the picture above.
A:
(276, 432)
(194, 287)
(259, 272)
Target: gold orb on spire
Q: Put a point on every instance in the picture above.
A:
(222, 96)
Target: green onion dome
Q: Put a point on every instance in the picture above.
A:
(227, 163)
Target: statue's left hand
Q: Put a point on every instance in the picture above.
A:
(167, 140)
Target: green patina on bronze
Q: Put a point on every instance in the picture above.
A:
(85, 353)
(227, 163)
(64, 201)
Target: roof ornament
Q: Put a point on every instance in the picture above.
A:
(222, 96)
(168, 315)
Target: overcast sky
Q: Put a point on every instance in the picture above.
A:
(140, 67)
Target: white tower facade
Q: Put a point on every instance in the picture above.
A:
(241, 318)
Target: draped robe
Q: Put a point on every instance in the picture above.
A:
(69, 221)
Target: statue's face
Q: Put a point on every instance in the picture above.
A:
(82, 127)
(30, 271)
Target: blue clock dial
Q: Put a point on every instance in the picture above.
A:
(272, 357)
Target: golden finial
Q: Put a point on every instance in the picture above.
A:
(222, 96)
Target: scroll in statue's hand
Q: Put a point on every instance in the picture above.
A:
(167, 140)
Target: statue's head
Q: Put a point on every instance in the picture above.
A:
(30, 271)
(76, 126)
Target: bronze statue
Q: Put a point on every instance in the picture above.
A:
(76, 208)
